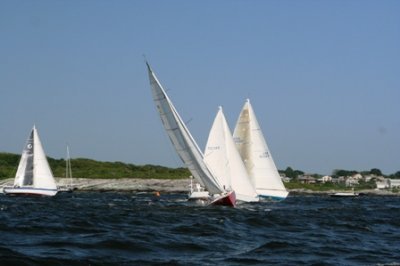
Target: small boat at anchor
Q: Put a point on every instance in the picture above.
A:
(345, 194)
(69, 188)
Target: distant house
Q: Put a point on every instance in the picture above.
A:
(351, 181)
(325, 179)
(307, 179)
(380, 178)
(383, 184)
(394, 183)
(335, 180)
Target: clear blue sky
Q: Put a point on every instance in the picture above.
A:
(323, 77)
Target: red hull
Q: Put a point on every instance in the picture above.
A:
(228, 199)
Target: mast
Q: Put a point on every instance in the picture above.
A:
(68, 168)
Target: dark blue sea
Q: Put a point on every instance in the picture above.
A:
(93, 228)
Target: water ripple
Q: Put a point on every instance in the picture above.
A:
(139, 229)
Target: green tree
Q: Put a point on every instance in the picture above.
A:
(289, 172)
(341, 172)
(395, 175)
(375, 171)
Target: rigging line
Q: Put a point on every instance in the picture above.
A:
(187, 122)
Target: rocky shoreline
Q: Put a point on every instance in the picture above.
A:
(161, 185)
(119, 184)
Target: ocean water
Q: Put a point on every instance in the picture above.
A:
(95, 228)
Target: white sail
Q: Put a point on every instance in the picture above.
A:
(256, 156)
(222, 157)
(42, 175)
(33, 175)
(181, 138)
(24, 175)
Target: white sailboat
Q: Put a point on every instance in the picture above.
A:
(345, 194)
(186, 146)
(223, 159)
(34, 176)
(68, 175)
(68, 170)
(197, 192)
(256, 156)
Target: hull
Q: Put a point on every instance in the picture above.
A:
(274, 195)
(199, 195)
(29, 191)
(344, 194)
(66, 189)
(228, 199)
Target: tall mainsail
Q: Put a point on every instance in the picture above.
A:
(181, 138)
(33, 169)
(223, 159)
(256, 156)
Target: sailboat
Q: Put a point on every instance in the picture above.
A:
(197, 192)
(34, 176)
(68, 175)
(223, 159)
(256, 156)
(186, 146)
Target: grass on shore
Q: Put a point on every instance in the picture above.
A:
(88, 168)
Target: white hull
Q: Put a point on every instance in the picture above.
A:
(272, 194)
(199, 195)
(29, 191)
(345, 194)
